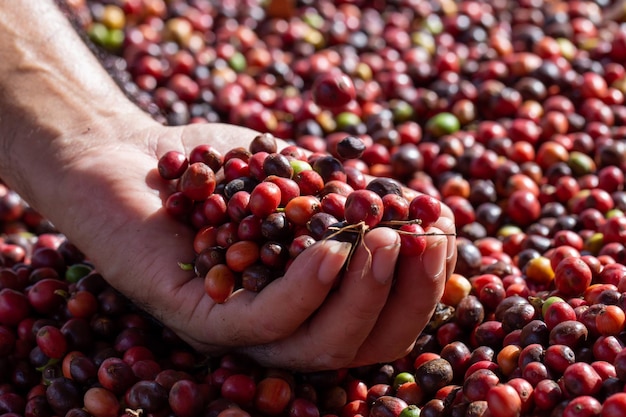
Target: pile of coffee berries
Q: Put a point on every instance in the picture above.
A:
(512, 113)
(270, 205)
(71, 345)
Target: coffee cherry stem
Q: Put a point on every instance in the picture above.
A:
(185, 266)
(134, 413)
(62, 293)
(443, 314)
(404, 232)
(392, 223)
(51, 362)
(396, 224)
(359, 228)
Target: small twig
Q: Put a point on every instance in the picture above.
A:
(399, 223)
(406, 232)
(359, 228)
(135, 413)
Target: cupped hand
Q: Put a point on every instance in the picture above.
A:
(109, 202)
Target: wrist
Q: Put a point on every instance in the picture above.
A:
(55, 96)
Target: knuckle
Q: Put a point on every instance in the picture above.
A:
(333, 354)
(334, 359)
(363, 313)
(269, 330)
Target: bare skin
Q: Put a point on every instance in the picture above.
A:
(84, 156)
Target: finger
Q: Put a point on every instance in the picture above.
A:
(447, 225)
(248, 318)
(414, 295)
(221, 135)
(334, 334)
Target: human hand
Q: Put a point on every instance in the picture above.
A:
(85, 157)
(116, 217)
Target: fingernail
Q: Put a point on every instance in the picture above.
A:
(384, 262)
(434, 257)
(335, 256)
(447, 226)
(451, 247)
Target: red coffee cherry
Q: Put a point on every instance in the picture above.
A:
(425, 208)
(333, 89)
(364, 206)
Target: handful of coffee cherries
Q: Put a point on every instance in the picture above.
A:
(255, 210)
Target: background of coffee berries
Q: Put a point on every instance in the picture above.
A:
(510, 112)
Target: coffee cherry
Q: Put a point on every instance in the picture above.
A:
(147, 395)
(255, 165)
(214, 209)
(100, 402)
(572, 276)
(272, 395)
(396, 208)
(219, 283)
(434, 374)
(265, 142)
(384, 186)
(274, 254)
(198, 181)
(614, 405)
(309, 182)
(388, 406)
(51, 341)
(14, 307)
(333, 89)
(276, 227)
(239, 388)
(179, 206)
(208, 155)
(364, 206)
(503, 400)
(264, 199)
(256, 277)
(241, 255)
(300, 210)
(477, 384)
(172, 165)
(412, 239)
(350, 147)
(277, 164)
(329, 168)
(46, 295)
(63, 394)
(581, 379)
(426, 209)
(238, 206)
(319, 223)
(236, 168)
(289, 189)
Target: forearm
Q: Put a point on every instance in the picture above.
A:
(52, 91)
